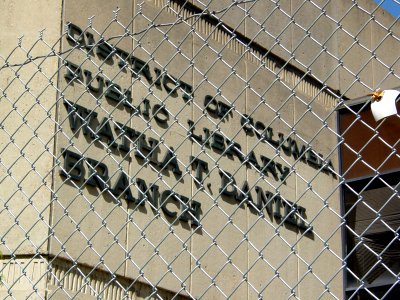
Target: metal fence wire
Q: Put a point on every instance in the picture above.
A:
(173, 149)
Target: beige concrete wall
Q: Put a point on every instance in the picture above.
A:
(84, 283)
(27, 278)
(301, 40)
(23, 278)
(28, 117)
(76, 225)
(238, 252)
(179, 257)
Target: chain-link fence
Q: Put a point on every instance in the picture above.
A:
(199, 149)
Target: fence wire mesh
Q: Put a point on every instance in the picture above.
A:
(199, 149)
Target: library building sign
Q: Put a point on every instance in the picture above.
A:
(172, 160)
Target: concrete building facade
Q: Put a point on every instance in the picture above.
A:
(177, 148)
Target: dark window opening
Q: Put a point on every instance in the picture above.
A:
(370, 164)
